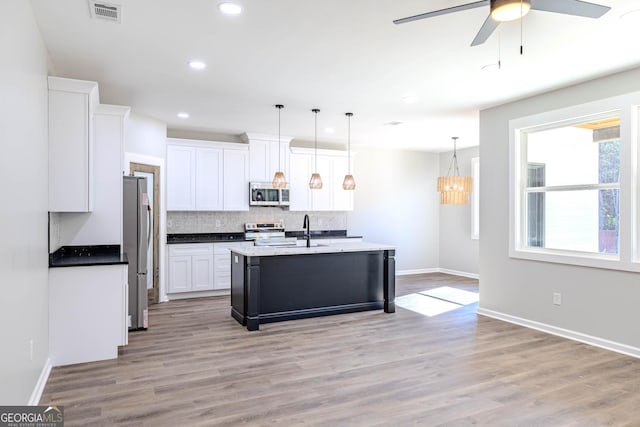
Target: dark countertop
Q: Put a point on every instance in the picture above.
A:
(83, 256)
(205, 237)
(235, 237)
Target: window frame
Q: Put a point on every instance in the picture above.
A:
(627, 108)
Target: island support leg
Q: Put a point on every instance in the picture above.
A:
(389, 281)
(253, 293)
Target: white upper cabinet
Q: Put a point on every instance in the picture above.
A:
(207, 176)
(209, 179)
(299, 192)
(342, 199)
(181, 178)
(267, 156)
(71, 107)
(236, 180)
(322, 199)
(332, 167)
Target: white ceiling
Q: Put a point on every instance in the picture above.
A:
(336, 55)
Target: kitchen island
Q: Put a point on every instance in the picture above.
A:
(272, 284)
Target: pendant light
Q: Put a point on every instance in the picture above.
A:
(454, 189)
(279, 180)
(315, 183)
(349, 183)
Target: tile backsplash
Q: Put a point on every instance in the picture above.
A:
(230, 222)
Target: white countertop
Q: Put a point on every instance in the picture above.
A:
(317, 248)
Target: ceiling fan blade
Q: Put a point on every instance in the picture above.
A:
(486, 30)
(571, 7)
(442, 12)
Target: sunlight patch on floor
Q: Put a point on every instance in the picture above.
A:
(437, 301)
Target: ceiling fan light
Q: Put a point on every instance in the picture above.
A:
(509, 10)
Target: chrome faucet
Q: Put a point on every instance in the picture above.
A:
(307, 232)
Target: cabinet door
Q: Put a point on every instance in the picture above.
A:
(322, 200)
(342, 199)
(208, 181)
(259, 159)
(181, 184)
(300, 173)
(283, 164)
(69, 152)
(236, 180)
(179, 273)
(202, 272)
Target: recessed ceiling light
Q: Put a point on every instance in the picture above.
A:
(230, 8)
(329, 130)
(409, 99)
(393, 123)
(197, 65)
(183, 115)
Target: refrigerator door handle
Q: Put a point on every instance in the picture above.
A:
(149, 231)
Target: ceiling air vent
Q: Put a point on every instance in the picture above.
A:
(107, 11)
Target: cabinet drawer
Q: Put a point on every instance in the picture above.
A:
(189, 249)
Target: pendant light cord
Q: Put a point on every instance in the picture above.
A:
(349, 142)
(454, 159)
(316, 111)
(521, 20)
(279, 107)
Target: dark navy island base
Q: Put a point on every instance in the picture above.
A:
(271, 288)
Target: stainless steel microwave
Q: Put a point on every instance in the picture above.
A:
(264, 194)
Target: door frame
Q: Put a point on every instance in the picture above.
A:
(153, 294)
(162, 235)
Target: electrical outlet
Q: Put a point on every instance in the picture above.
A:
(557, 298)
(31, 349)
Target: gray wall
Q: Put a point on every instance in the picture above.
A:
(458, 252)
(144, 135)
(599, 303)
(396, 202)
(23, 217)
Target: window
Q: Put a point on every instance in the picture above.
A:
(570, 182)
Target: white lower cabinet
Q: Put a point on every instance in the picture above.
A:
(197, 267)
(190, 267)
(88, 309)
(222, 263)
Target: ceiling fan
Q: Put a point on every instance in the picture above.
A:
(509, 10)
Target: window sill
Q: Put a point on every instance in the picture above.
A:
(602, 261)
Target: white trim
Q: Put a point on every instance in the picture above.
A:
(626, 107)
(459, 273)
(417, 271)
(198, 294)
(564, 333)
(34, 400)
(437, 270)
(162, 238)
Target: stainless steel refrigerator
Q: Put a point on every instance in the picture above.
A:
(136, 234)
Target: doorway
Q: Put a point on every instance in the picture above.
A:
(152, 173)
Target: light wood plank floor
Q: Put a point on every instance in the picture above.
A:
(197, 366)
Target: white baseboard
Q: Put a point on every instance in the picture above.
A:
(564, 333)
(459, 273)
(418, 271)
(34, 400)
(437, 270)
(200, 294)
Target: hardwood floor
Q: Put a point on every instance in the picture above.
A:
(197, 366)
